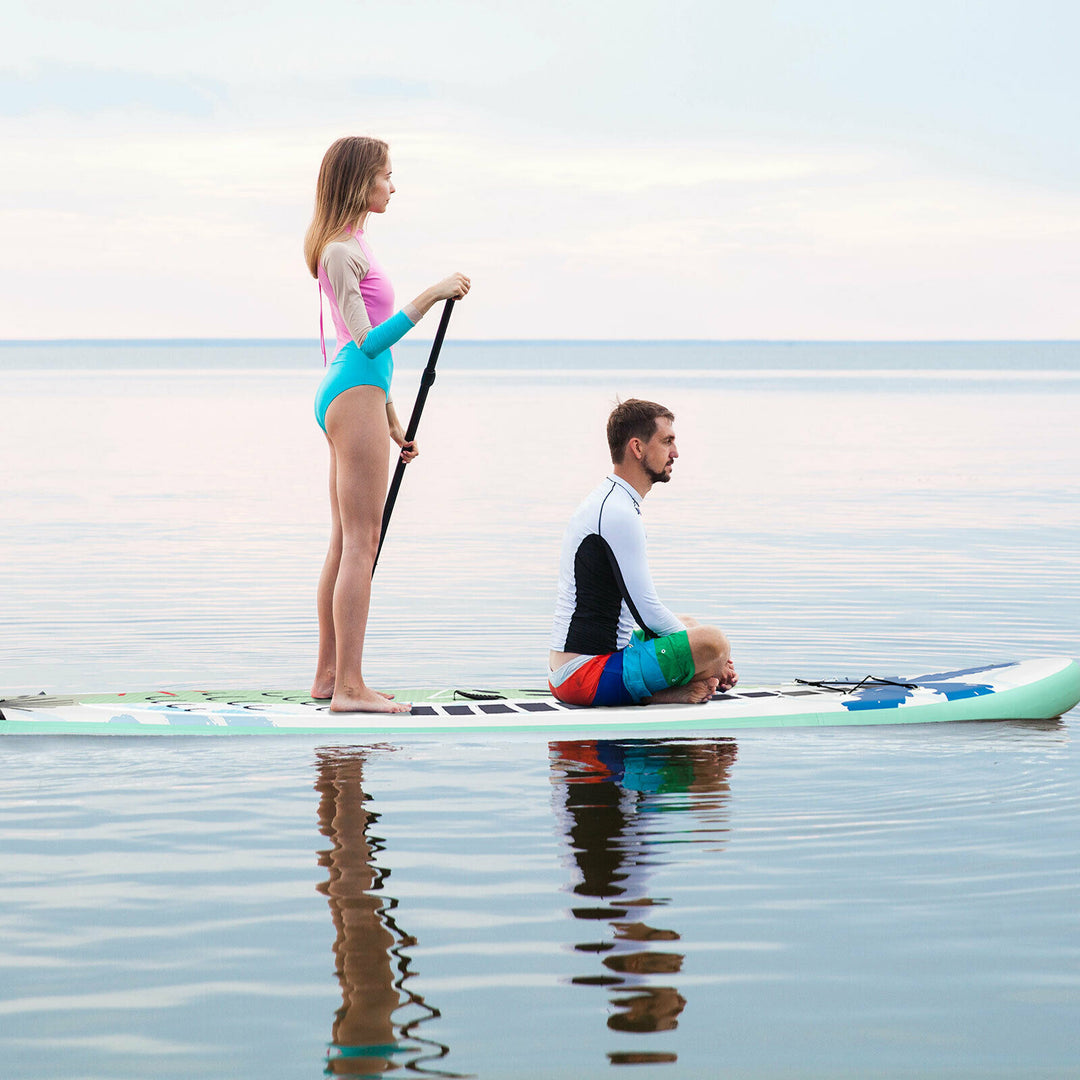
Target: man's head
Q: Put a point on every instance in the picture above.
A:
(643, 430)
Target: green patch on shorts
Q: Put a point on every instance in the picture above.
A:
(672, 653)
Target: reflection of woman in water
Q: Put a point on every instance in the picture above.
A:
(363, 943)
(610, 789)
(369, 943)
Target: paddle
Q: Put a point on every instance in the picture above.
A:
(414, 422)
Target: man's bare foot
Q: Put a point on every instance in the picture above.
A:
(728, 679)
(693, 693)
(367, 701)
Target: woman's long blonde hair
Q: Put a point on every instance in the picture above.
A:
(346, 177)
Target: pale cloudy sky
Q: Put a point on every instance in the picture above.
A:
(601, 168)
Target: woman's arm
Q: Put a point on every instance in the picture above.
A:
(378, 338)
(344, 270)
(453, 287)
(409, 450)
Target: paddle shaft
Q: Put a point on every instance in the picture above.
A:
(414, 422)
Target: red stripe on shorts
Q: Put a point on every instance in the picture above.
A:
(580, 687)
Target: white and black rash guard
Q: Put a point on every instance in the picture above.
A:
(604, 582)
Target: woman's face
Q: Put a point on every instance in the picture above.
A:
(383, 189)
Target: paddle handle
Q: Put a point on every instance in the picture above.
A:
(426, 381)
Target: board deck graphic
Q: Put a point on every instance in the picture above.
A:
(1022, 690)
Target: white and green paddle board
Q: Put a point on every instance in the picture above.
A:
(1024, 690)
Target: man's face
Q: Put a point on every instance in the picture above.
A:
(660, 452)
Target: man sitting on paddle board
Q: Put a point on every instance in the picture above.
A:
(597, 657)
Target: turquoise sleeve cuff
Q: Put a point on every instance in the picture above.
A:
(380, 338)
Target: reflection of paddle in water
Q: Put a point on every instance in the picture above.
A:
(611, 791)
(370, 949)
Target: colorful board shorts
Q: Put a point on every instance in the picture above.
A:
(629, 676)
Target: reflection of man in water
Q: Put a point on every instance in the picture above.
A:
(611, 788)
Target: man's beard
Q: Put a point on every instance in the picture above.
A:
(657, 477)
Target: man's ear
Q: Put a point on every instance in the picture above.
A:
(637, 448)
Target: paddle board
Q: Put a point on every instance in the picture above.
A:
(1022, 690)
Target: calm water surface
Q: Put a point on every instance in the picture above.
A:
(878, 903)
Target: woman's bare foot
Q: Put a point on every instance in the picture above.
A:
(321, 690)
(366, 700)
(322, 686)
(693, 693)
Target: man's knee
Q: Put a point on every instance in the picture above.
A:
(708, 645)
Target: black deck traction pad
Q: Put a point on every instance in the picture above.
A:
(553, 705)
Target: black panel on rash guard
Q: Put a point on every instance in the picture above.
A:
(604, 582)
(600, 592)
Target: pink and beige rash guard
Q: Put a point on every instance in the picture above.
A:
(359, 290)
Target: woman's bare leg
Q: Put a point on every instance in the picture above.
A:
(326, 662)
(359, 435)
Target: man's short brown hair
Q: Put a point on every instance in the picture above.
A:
(633, 419)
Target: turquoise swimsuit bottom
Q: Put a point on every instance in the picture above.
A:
(369, 364)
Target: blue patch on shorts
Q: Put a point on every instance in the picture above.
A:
(610, 690)
(654, 665)
(641, 674)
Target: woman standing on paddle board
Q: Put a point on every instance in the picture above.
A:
(353, 404)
